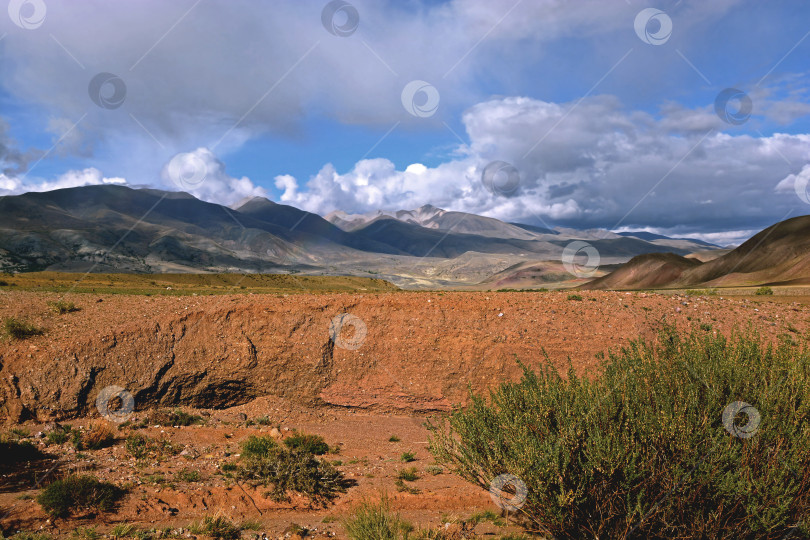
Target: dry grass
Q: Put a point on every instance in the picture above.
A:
(99, 435)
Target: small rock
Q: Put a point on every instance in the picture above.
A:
(275, 433)
(242, 417)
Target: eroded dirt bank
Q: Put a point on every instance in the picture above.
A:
(419, 354)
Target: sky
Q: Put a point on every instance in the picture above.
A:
(687, 118)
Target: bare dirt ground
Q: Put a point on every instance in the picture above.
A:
(237, 358)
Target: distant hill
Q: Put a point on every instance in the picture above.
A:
(113, 228)
(779, 254)
(652, 236)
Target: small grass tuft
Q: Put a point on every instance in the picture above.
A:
(141, 446)
(123, 530)
(312, 444)
(218, 527)
(376, 522)
(99, 435)
(85, 533)
(20, 329)
(408, 475)
(435, 470)
(58, 436)
(187, 475)
(61, 307)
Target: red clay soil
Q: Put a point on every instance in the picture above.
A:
(246, 356)
(420, 352)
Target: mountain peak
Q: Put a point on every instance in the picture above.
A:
(252, 203)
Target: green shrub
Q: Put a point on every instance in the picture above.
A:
(85, 533)
(764, 291)
(155, 478)
(393, 438)
(407, 457)
(63, 497)
(218, 527)
(187, 475)
(376, 522)
(255, 446)
(19, 329)
(576, 297)
(251, 525)
(265, 463)
(123, 530)
(25, 535)
(642, 451)
(409, 474)
(435, 470)
(18, 433)
(140, 447)
(61, 307)
(700, 292)
(484, 516)
(312, 444)
(58, 436)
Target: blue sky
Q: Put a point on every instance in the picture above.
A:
(605, 129)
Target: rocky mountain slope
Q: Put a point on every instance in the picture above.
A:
(119, 229)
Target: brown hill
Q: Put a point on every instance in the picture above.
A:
(648, 271)
(779, 254)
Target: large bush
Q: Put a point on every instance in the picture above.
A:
(63, 497)
(644, 450)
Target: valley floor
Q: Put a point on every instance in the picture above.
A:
(250, 363)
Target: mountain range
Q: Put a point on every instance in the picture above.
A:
(113, 228)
